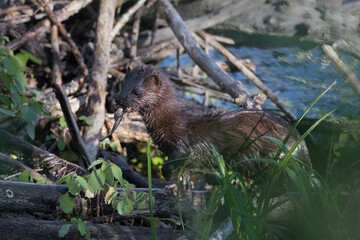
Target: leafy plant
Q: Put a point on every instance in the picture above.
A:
(320, 210)
(103, 181)
(13, 96)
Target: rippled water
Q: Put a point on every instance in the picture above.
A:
(297, 75)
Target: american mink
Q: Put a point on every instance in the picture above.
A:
(237, 135)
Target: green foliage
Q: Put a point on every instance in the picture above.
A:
(26, 177)
(80, 225)
(86, 120)
(15, 102)
(64, 230)
(103, 181)
(322, 213)
(66, 203)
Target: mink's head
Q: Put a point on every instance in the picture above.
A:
(140, 89)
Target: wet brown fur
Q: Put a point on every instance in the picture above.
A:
(237, 135)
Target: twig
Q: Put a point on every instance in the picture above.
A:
(125, 18)
(62, 15)
(135, 35)
(79, 58)
(249, 75)
(57, 166)
(350, 77)
(71, 122)
(98, 79)
(7, 160)
(56, 69)
(224, 81)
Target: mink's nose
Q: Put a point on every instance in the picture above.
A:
(120, 99)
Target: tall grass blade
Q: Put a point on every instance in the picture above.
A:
(149, 163)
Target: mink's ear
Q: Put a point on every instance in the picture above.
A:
(153, 80)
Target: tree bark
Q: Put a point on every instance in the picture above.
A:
(19, 229)
(98, 80)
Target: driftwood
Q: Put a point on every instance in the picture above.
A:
(62, 15)
(57, 166)
(71, 123)
(125, 18)
(98, 79)
(32, 197)
(17, 229)
(78, 56)
(56, 67)
(20, 197)
(10, 161)
(225, 82)
(349, 76)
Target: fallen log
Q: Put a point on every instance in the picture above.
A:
(39, 229)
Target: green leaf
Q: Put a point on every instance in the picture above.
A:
(74, 221)
(5, 100)
(96, 180)
(36, 107)
(35, 92)
(117, 173)
(104, 166)
(125, 206)
(12, 66)
(63, 179)
(21, 82)
(7, 112)
(30, 129)
(86, 120)
(143, 205)
(16, 99)
(109, 178)
(31, 57)
(61, 144)
(64, 230)
(27, 113)
(62, 122)
(73, 186)
(66, 203)
(81, 227)
(21, 59)
(23, 177)
(6, 78)
(80, 180)
(344, 139)
(41, 180)
(97, 162)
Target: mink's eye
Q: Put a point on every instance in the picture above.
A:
(136, 92)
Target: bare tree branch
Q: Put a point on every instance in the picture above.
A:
(10, 161)
(62, 15)
(98, 80)
(56, 70)
(249, 75)
(71, 123)
(57, 166)
(349, 76)
(224, 81)
(125, 18)
(78, 56)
